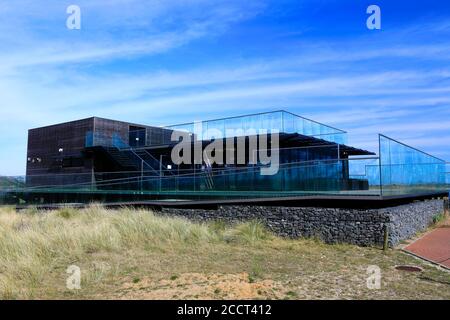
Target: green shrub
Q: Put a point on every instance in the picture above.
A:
(438, 218)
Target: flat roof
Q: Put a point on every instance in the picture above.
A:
(288, 137)
(94, 118)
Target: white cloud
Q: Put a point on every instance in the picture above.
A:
(116, 29)
(45, 78)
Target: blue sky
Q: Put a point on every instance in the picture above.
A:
(167, 62)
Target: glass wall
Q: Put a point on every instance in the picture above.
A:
(406, 170)
(278, 121)
(399, 170)
(447, 175)
(308, 177)
(366, 169)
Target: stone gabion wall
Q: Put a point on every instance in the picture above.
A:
(333, 225)
(407, 220)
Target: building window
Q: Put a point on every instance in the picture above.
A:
(70, 162)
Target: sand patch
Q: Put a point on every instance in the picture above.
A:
(201, 286)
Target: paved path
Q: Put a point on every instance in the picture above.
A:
(433, 246)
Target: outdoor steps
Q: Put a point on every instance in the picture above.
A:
(122, 159)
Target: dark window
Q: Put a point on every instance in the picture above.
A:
(137, 136)
(72, 162)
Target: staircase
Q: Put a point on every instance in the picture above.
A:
(121, 158)
(127, 157)
(150, 159)
(130, 160)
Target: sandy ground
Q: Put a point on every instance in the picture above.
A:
(199, 286)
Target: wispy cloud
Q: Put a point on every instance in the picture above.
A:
(112, 30)
(163, 62)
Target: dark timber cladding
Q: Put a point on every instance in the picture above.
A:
(57, 154)
(56, 149)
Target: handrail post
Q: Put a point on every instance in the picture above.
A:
(160, 172)
(142, 174)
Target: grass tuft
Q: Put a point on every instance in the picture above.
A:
(248, 233)
(438, 218)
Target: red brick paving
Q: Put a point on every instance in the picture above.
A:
(434, 246)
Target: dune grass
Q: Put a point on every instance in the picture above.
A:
(34, 243)
(112, 247)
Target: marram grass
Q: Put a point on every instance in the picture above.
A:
(33, 243)
(154, 254)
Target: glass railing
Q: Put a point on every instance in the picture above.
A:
(447, 175)
(305, 177)
(140, 158)
(407, 170)
(277, 121)
(294, 179)
(399, 170)
(366, 169)
(12, 182)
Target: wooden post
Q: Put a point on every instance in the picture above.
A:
(446, 207)
(386, 237)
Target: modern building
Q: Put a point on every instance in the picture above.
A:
(71, 154)
(299, 177)
(100, 159)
